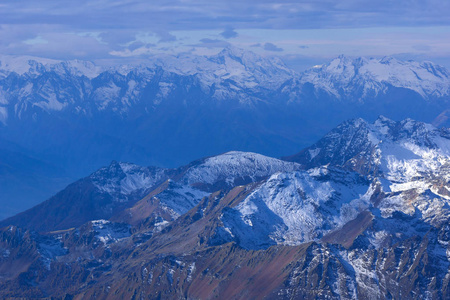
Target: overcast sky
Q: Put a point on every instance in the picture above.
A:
(301, 32)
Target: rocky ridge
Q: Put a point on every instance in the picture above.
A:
(323, 228)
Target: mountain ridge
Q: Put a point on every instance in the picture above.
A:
(344, 77)
(326, 228)
(234, 100)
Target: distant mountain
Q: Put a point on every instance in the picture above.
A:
(233, 75)
(77, 116)
(362, 78)
(364, 214)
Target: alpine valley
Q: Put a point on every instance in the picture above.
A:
(61, 120)
(363, 213)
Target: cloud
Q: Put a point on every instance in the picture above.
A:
(229, 33)
(166, 37)
(117, 39)
(268, 47)
(114, 24)
(211, 43)
(36, 40)
(303, 47)
(171, 15)
(135, 45)
(272, 47)
(421, 47)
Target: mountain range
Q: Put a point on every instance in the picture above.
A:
(68, 118)
(363, 213)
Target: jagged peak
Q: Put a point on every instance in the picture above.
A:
(388, 60)
(383, 129)
(356, 122)
(30, 64)
(359, 61)
(347, 75)
(383, 119)
(248, 58)
(345, 59)
(233, 51)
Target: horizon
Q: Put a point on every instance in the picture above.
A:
(293, 65)
(301, 33)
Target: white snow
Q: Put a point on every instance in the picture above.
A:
(297, 207)
(49, 249)
(374, 74)
(293, 207)
(366, 277)
(106, 95)
(29, 64)
(6, 253)
(108, 232)
(231, 74)
(191, 270)
(246, 69)
(3, 114)
(313, 153)
(134, 178)
(178, 199)
(233, 165)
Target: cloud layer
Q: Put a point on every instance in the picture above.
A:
(102, 28)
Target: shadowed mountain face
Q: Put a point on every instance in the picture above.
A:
(77, 117)
(363, 214)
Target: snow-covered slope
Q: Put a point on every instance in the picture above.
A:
(347, 77)
(123, 179)
(241, 69)
(223, 171)
(400, 151)
(233, 74)
(108, 232)
(188, 185)
(80, 86)
(234, 168)
(403, 168)
(298, 207)
(32, 66)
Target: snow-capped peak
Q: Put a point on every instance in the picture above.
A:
(234, 167)
(23, 64)
(236, 52)
(375, 75)
(77, 68)
(36, 65)
(399, 151)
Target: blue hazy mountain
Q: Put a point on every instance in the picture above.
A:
(76, 116)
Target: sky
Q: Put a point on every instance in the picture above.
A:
(302, 33)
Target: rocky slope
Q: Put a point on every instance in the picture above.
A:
(98, 196)
(242, 225)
